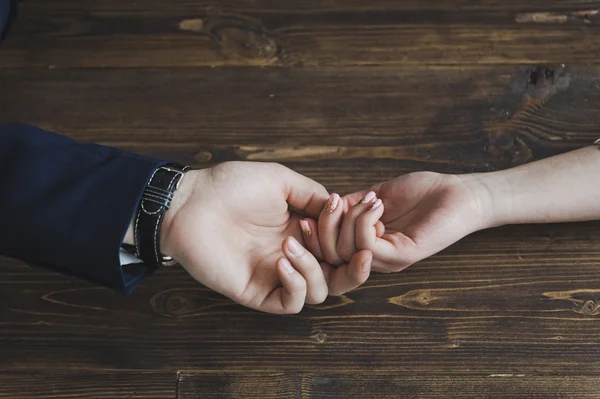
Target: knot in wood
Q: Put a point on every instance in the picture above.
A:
(590, 308)
(241, 36)
(320, 337)
(176, 305)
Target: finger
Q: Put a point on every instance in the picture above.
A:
(395, 266)
(365, 230)
(390, 251)
(329, 227)
(308, 266)
(352, 199)
(289, 298)
(350, 276)
(366, 234)
(379, 228)
(302, 193)
(311, 237)
(346, 244)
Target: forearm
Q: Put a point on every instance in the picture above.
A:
(563, 188)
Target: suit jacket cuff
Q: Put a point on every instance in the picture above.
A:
(8, 15)
(68, 205)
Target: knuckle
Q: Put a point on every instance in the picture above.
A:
(353, 213)
(330, 258)
(400, 267)
(275, 165)
(344, 251)
(362, 221)
(243, 299)
(320, 297)
(356, 278)
(295, 308)
(321, 188)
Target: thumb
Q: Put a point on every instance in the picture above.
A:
(303, 194)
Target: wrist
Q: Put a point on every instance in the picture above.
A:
(493, 197)
(180, 197)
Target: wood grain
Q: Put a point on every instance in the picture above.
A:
(514, 300)
(72, 33)
(349, 93)
(347, 128)
(384, 386)
(84, 384)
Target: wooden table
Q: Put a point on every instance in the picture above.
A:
(349, 93)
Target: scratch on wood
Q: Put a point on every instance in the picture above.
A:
(191, 25)
(541, 17)
(291, 152)
(177, 384)
(586, 17)
(558, 295)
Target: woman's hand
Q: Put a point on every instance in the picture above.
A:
(424, 213)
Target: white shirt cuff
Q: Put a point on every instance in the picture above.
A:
(126, 258)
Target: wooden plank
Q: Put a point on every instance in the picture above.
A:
(73, 33)
(513, 300)
(83, 384)
(308, 6)
(383, 386)
(347, 128)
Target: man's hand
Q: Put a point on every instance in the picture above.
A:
(228, 225)
(424, 213)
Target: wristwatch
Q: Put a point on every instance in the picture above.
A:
(156, 200)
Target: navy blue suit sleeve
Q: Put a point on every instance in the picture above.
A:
(67, 206)
(8, 15)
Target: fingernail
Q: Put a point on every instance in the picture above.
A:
(294, 246)
(366, 266)
(305, 227)
(367, 198)
(332, 203)
(376, 204)
(287, 266)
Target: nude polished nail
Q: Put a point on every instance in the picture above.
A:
(333, 202)
(367, 198)
(305, 228)
(376, 204)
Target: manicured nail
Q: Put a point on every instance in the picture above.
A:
(294, 247)
(305, 227)
(287, 266)
(367, 198)
(375, 205)
(332, 203)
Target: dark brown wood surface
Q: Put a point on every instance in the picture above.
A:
(349, 93)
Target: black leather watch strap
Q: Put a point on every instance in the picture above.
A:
(155, 202)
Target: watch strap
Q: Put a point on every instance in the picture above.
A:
(156, 200)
